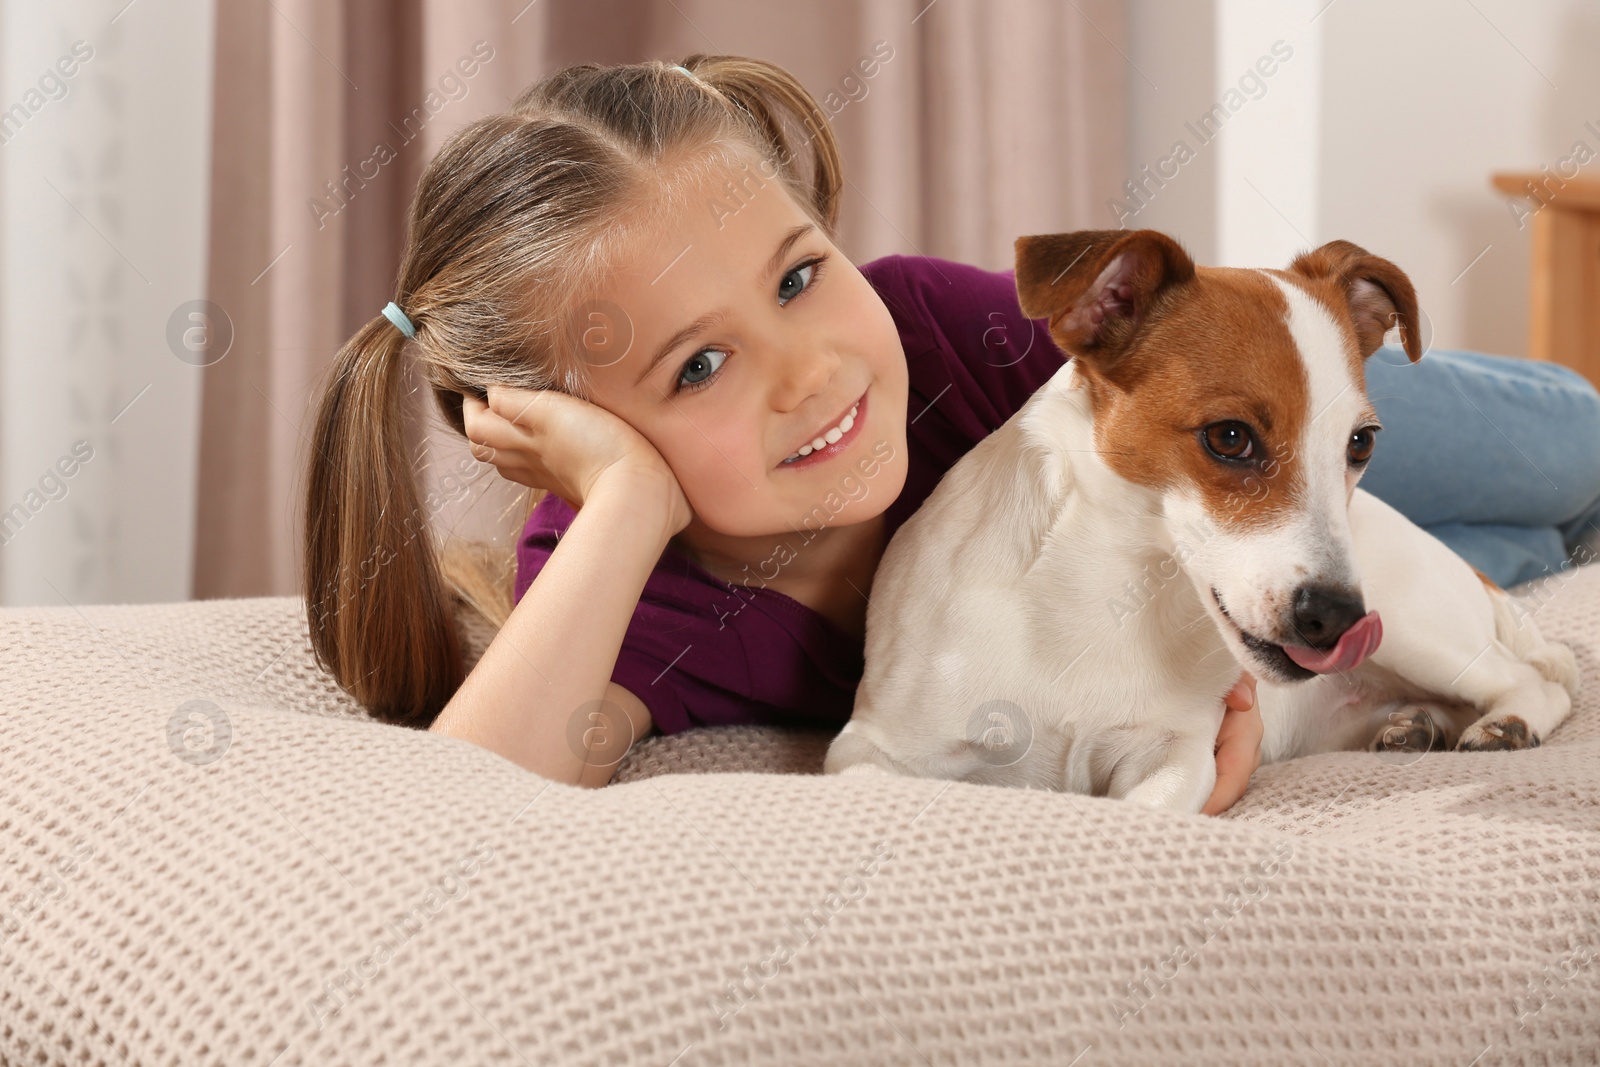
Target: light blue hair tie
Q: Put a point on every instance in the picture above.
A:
(683, 68)
(398, 317)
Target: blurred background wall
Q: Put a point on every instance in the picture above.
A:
(1382, 128)
(104, 182)
(184, 248)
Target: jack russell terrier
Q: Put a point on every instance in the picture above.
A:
(1071, 603)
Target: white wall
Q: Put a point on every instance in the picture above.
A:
(1268, 82)
(1382, 128)
(1171, 79)
(1418, 116)
(103, 202)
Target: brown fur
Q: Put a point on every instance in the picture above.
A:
(1188, 346)
(1333, 275)
(1222, 351)
(1166, 348)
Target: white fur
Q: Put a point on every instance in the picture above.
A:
(1043, 622)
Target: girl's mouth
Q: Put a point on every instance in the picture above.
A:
(833, 441)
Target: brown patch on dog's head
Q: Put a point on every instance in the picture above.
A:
(1098, 286)
(1167, 349)
(1365, 293)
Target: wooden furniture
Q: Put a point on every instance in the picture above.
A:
(1564, 293)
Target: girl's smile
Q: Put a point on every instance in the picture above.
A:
(753, 339)
(831, 441)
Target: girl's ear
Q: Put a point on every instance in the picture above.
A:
(1097, 286)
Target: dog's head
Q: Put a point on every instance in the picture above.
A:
(1240, 397)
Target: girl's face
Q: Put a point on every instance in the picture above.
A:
(792, 338)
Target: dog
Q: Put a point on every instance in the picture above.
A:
(1070, 605)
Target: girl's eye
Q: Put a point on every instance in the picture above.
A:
(812, 265)
(697, 375)
(698, 369)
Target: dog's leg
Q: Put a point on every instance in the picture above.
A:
(1524, 716)
(1404, 726)
(1180, 776)
(1519, 684)
(853, 752)
(1515, 703)
(1521, 715)
(1447, 634)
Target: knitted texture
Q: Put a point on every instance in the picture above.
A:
(212, 855)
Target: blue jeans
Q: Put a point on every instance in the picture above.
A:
(1497, 457)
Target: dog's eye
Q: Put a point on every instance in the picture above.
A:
(1229, 440)
(1361, 443)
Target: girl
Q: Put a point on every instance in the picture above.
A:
(625, 292)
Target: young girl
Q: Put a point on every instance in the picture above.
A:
(625, 291)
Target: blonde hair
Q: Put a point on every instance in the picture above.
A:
(517, 217)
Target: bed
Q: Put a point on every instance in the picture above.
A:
(212, 855)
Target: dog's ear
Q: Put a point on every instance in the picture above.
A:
(1377, 292)
(1096, 286)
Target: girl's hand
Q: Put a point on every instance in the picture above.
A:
(1238, 745)
(552, 440)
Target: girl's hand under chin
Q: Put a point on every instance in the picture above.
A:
(1238, 745)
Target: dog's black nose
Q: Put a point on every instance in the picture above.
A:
(1321, 614)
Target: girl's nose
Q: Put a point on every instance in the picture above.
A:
(801, 372)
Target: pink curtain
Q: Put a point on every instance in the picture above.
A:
(983, 122)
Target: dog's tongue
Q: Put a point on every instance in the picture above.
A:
(1355, 645)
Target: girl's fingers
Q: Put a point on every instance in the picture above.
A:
(1242, 696)
(1231, 784)
(493, 439)
(1238, 755)
(472, 410)
(484, 426)
(509, 402)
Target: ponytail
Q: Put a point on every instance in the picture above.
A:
(382, 620)
(516, 219)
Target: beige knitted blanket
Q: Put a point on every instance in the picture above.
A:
(213, 857)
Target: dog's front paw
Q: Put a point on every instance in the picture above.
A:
(1410, 729)
(1498, 735)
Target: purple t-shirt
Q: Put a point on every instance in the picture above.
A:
(703, 652)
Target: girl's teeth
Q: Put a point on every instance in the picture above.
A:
(828, 438)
